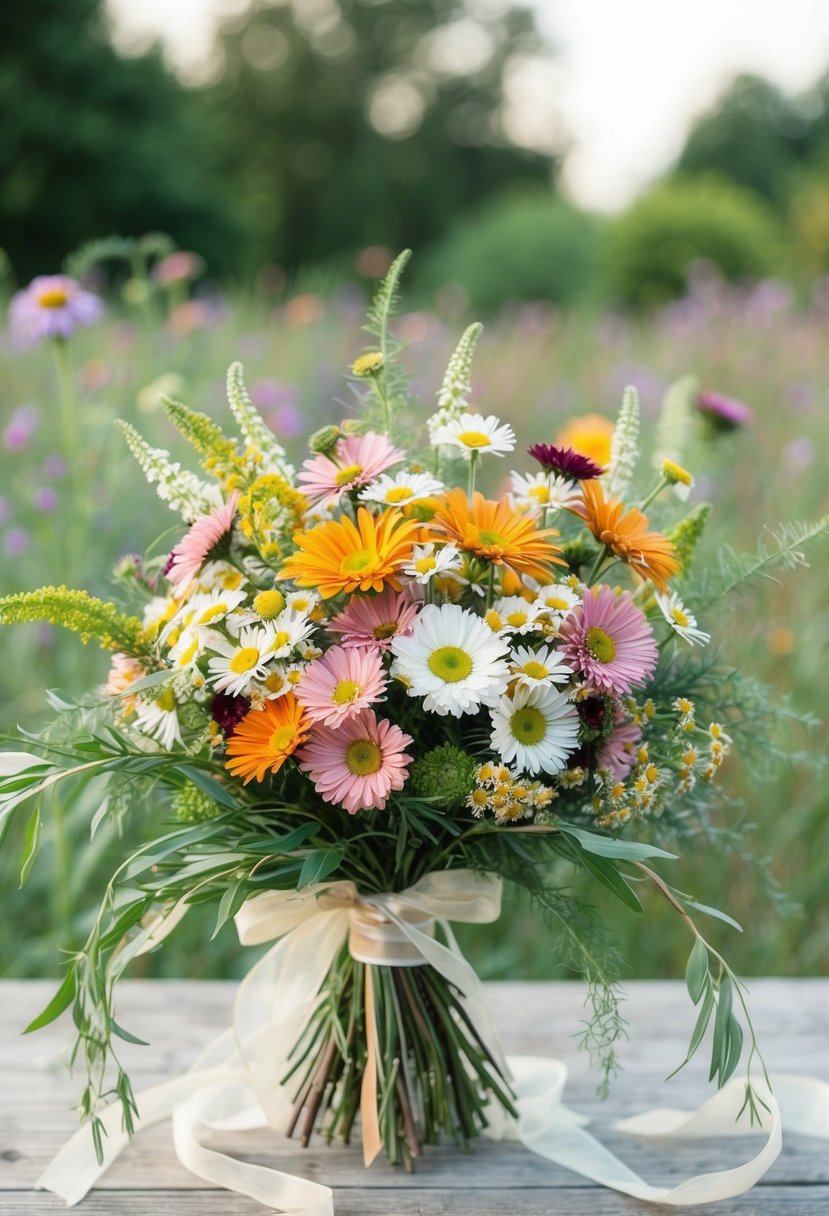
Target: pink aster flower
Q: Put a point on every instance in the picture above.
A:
(192, 550)
(341, 684)
(358, 764)
(609, 640)
(375, 620)
(724, 413)
(52, 306)
(618, 752)
(358, 460)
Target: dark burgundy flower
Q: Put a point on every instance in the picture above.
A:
(228, 711)
(725, 413)
(565, 461)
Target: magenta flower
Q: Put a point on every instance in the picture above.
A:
(358, 764)
(358, 460)
(178, 267)
(725, 413)
(52, 306)
(609, 640)
(618, 752)
(565, 461)
(193, 549)
(341, 684)
(376, 620)
(20, 429)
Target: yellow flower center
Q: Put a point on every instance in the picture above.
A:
(348, 474)
(493, 539)
(450, 663)
(187, 655)
(281, 638)
(357, 562)
(281, 739)
(274, 681)
(345, 691)
(399, 494)
(366, 365)
(493, 619)
(363, 757)
(244, 660)
(676, 474)
(535, 670)
(517, 619)
(600, 645)
(268, 604)
(528, 725)
(211, 613)
(474, 439)
(167, 701)
(52, 297)
(424, 564)
(387, 630)
(680, 618)
(556, 603)
(540, 493)
(231, 580)
(294, 677)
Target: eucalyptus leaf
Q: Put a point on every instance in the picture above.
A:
(62, 999)
(318, 865)
(608, 846)
(696, 972)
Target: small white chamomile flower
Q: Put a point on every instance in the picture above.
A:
(540, 667)
(241, 662)
(543, 491)
(683, 622)
(158, 720)
(514, 614)
(473, 434)
(429, 560)
(401, 489)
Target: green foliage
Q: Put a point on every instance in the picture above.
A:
(521, 246)
(193, 805)
(92, 619)
(651, 246)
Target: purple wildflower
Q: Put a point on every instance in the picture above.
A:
(725, 413)
(22, 425)
(15, 542)
(52, 306)
(54, 466)
(565, 461)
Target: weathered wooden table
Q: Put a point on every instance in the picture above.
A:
(179, 1018)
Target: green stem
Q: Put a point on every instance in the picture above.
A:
(661, 485)
(490, 587)
(63, 891)
(601, 557)
(67, 402)
(473, 464)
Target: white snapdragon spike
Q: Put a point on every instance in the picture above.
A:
(536, 668)
(543, 492)
(457, 384)
(624, 447)
(159, 720)
(535, 728)
(683, 622)
(514, 614)
(429, 560)
(240, 662)
(451, 659)
(474, 434)
(181, 490)
(401, 489)
(255, 431)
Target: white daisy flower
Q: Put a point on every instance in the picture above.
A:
(543, 491)
(158, 611)
(302, 601)
(514, 614)
(241, 662)
(401, 489)
(681, 620)
(537, 668)
(472, 433)
(558, 599)
(536, 728)
(452, 660)
(289, 629)
(158, 720)
(219, 576)
(428, 561)
(204, 610)
(188, 649)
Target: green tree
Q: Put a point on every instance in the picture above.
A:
(92, 143)
(346, 123)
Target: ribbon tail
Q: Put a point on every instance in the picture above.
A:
(369, 1114)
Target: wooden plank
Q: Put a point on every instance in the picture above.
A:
(181, 1017)
(490, 1201)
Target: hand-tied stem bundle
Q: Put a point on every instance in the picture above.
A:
(368, 673)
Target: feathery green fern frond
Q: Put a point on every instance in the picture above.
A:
(780, 549)
(92, 619)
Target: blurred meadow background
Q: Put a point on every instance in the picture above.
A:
(233, 179)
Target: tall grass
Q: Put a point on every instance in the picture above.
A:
(535, 368)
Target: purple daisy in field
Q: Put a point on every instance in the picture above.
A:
(609, 641)
(565, 461)
(52, 306)
(725, 413)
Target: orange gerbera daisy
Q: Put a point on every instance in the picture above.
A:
(266, 737)
(490, 529)
(341, 556)
(590, 435)
(649, 554)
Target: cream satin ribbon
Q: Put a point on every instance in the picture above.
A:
(236, 1083)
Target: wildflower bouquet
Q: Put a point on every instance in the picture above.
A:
(364, 695)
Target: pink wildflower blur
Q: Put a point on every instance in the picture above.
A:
(359, 459)
(609, 640)
(190, 553)
(340, 684)
(357, 765)
(376, 620)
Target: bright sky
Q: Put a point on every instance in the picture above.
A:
(629, 78)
